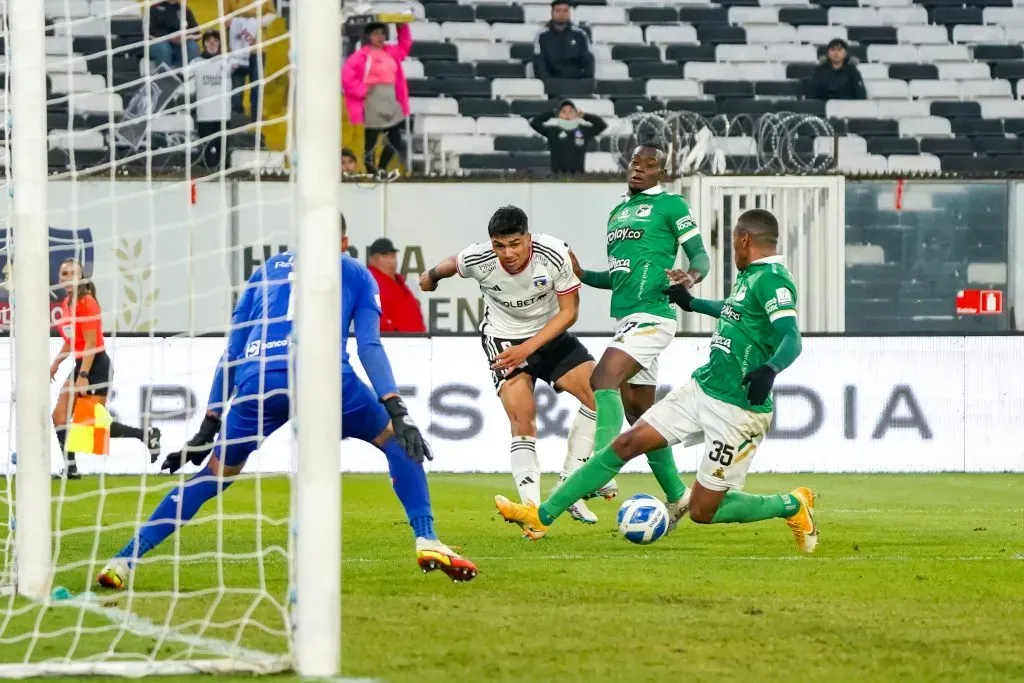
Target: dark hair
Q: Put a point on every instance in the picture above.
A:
(761, 224)
(375, 26)
(344, 225)
(211, 34)
(661, 155)
(346, 152)
(556, 3)
(86, 287)
(508, 220)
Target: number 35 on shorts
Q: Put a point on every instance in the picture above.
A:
(725, 465)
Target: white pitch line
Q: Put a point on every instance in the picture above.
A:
(731, 558)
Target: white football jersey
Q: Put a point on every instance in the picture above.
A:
(518, 306)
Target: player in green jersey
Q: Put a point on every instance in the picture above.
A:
(644, 233)
(726, 404)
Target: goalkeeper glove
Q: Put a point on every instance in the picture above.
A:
(406, 431)
(680, 295)
(759, 384)
(197, 448)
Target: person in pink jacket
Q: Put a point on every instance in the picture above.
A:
(376, 92)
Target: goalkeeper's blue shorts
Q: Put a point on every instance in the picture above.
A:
(258, 410)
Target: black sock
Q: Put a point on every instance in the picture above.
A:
(119, 430)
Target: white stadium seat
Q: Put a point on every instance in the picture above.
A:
(503, 125)
(680, 34)
(668, 88)
(851, 109)
(518, 88)
(913, 163)
(888, 88)
(925, 126)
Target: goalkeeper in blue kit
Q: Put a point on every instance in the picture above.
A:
(253, 375)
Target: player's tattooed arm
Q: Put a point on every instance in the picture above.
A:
(442, 271)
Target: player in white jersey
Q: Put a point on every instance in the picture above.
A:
(531, 299)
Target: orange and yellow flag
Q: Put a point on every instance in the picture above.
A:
(90, 427)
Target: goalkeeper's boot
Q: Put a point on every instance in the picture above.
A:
(579, 510)
(432, 554)
(153, 443)
(115, 575)
(677, 510)
(802, 523)
(71, 472)
(608, 491)
(523, 514)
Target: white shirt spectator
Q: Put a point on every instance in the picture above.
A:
(244, 34)
(213, 88)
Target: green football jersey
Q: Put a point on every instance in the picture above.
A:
(644, 234)
(745, 338)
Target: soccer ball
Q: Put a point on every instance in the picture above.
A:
(643, 519)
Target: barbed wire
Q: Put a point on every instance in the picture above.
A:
(736, 144)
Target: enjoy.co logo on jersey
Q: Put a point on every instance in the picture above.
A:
(624, 234)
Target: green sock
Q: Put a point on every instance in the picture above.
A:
(610, 415)
(594, 474)
(663, 464)
(745, 507)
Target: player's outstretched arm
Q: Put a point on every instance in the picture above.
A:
(222, 386)
(442, 271)
(559, 323)
(366, 318)
(598, 279)
(681, 296)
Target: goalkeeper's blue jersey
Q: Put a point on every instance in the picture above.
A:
(261, 328)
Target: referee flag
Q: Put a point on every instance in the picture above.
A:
(90, 427)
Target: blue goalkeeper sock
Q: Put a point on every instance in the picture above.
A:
(199, 488)
(410, 484)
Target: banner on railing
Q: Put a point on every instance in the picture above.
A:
(906, 404)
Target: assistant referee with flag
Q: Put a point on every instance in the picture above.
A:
(81, 327)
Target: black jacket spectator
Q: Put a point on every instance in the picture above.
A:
(165, 18)
(562, 51)
(837, 77)
(568, 130)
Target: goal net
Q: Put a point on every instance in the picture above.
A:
(150, 152)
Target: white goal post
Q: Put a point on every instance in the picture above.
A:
(271, 601)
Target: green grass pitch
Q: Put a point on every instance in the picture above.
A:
(916, 578)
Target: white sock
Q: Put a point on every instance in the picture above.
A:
(526, 468)
(580, 445)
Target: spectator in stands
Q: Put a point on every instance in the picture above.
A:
(212, 73)
(349, 165)
(376, 92)
(247, 51)
(568, 129)
(837, 77)
(167, 39)
(562, 49)
(400, 309)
